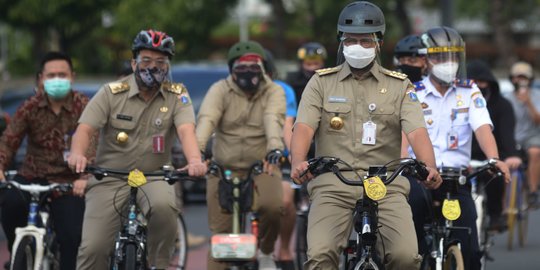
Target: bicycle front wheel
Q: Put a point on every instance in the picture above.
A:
(523, 215)
(24, 255)
(130, 257)
(179, 256)
(511, 212)
(301, 241)
(454, 259)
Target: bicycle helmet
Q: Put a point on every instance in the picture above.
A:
(445, 44)
(311, 50)
(410, 45)
(361, 18)
(244, 47)
(153, 40)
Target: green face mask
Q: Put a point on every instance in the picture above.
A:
(57, 88)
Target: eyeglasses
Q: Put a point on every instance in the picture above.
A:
(147, 61)
(364, 42)
(246, 68)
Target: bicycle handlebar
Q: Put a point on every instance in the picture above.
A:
(484, 167)
(169, 175)
(408, 166)
(37, 189)
(255, 169)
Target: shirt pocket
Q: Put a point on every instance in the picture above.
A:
(118, 126)
(338, 112)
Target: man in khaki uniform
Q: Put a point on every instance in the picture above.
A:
(138, 117)
(356, 111)
(246, 111)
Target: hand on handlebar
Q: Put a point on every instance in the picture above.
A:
(434, 180)
(77, 162)
(196, 168)
(513, 162)
(504, 169)
(79, 186)
(300, 173)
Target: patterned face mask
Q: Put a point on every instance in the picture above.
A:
(151, 77)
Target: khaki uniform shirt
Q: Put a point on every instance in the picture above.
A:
(150, 126)
(245, 129)
(337, 92)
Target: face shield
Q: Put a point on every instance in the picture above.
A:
(447, 64)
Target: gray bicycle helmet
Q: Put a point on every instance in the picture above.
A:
(410, 45)
(361, 18)
(442, 37)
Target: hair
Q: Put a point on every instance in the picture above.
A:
(51, 56)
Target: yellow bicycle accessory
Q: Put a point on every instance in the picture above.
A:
(451, 209)
(375, 188)
(136, 178)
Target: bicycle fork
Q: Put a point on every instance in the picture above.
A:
(31, 230)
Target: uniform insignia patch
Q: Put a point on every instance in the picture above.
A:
(412, 94)
(465, 83)
(176, 88)
(118, 87)
(419, 86)
(395, 74)
(424, 105)
(479, 102)
(326, 71)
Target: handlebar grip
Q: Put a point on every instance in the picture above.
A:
(422, 172)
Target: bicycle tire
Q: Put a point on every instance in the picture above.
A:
(130, 257)
(301, 241)
(511, 213)
(24, 255)
(523, 215)
(179, 256)
(453, 259)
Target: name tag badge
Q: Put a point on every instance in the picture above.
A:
(452, 140)
(158, 144)
(369, 135)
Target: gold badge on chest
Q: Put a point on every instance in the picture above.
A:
(122, 137)
(336, 123)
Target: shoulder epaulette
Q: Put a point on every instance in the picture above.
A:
(326, 71)
(467, 83)
(118, 87)
(419, 86)
(395, 74)
(176, 88)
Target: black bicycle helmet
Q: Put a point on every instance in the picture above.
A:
(361, 18)
(311, 50)
(410, 45)
(153, 40)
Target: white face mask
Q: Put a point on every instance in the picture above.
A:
(358, 56)
(446, 71)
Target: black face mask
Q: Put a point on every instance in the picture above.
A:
(413, 73)
(248, 81)
(308, 73)
(486, 92)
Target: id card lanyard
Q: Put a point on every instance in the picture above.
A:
(369, 134)
(452, 138)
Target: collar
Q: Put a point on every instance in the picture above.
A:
(66, 104)
(374, 71)
(430, 88)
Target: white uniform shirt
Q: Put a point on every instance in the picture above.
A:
(458, 113)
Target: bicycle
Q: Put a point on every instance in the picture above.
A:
(35, 245)
(130, 243)
(239, 248)
(517, 208)
(485, 236)
(444, 251)
(361, 253)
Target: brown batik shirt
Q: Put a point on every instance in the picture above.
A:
(48, 137)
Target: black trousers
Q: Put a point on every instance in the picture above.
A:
(66, 213)
(422, 213)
